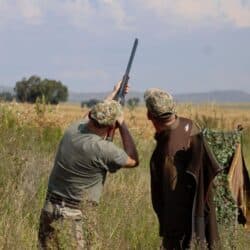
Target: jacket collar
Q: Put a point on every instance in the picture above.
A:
(168, 128)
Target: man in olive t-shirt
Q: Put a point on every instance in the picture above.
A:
(82, 162)
(83, 158)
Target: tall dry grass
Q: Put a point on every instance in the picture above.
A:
(28, 141)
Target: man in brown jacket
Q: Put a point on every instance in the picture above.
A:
(182, 169)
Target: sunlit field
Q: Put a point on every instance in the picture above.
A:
(29, 135)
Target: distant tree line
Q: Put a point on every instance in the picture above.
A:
(34, 88)
(89, 103)
(29, 90)
(131, 103)
(6, 96)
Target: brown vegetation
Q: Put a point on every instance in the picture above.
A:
(29, 135)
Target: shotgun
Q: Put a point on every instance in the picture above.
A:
(120, 96)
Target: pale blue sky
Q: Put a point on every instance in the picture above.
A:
(184, 45)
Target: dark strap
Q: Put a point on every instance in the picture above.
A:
(57, 199)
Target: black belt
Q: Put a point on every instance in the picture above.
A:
(57, 199)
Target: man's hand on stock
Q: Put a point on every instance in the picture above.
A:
(116, 90)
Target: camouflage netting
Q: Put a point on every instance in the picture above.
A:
(223, 146)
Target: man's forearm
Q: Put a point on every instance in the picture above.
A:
(128, 142)
(111, 96)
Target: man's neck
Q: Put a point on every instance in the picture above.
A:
(159, 127)
(102, 132)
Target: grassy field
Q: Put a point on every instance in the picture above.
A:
(29, 135)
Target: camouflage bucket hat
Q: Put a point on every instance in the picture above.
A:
(159, 103)
(106, 112)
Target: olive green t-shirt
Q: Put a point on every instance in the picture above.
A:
(81, 164)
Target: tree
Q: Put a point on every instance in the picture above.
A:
(28, 90)
(90, 103)
(133, 102)
(54, 91)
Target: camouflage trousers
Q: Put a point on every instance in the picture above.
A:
(66, 228)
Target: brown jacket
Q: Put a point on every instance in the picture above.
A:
(182, 171)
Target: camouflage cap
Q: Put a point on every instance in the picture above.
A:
(159, 103)
(106, 112)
